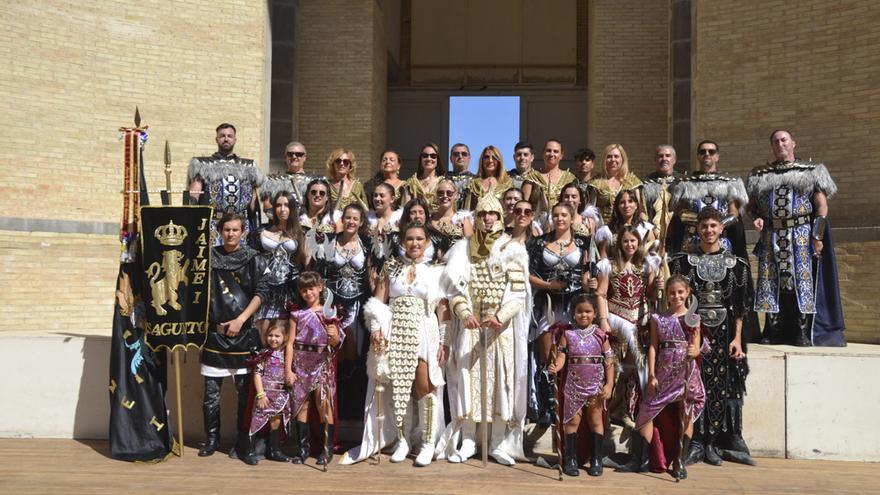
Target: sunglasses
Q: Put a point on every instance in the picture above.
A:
(486, 158)
(432, 156)
(297, 154)
(522, 211)
(343, 161)
(318, 193)
(704, 151)
(460, 154)
(445, 193)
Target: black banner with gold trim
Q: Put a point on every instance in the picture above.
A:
(176, 247)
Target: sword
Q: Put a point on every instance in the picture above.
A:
(380, 398)
(484, 433)
(692, 321)
(554, 350)
(329, 312)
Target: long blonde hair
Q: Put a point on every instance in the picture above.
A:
(624, 167)
(501, 174)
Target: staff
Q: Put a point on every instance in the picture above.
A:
(484, 433)
(692, 321)
(557, 429)
(329, 318)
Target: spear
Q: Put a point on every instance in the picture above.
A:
(166, 194)
(554, 350)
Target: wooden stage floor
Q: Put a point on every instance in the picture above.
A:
(29, 466)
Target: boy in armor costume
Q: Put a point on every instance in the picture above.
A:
(236, 293)
(719, 279)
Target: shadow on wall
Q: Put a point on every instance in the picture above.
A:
(92, 413)
(92, 409)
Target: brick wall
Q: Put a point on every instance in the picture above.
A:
(57, 282)
(809, 66)
(341, 67)
(629, 77)
(859, 290)
(76, 71)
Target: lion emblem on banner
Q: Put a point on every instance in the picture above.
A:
(164, 289)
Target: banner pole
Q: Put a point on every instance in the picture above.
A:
(179, 402)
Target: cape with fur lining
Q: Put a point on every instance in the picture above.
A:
(211, 169)
(805, 177)
(720, 185)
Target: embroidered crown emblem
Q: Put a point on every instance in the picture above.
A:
(170, 234)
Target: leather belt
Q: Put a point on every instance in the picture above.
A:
(666, 344)
(787, 223)
(309, 347)
(586, 360)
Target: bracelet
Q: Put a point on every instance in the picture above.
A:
(260, 395)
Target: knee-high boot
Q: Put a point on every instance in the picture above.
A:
(596, 454)
(302, 453)
(569, 460)
(427, 420)
(402, 449)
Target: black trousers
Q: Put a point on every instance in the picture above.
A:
(211, 404)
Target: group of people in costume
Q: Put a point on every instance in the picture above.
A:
(449, 310)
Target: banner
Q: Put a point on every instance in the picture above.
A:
(139, 429)
(176, 247)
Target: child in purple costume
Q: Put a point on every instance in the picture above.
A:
(587, 355)
(309, 357)
(672, 364)
(272, 400)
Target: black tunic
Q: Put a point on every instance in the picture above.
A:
(235, 280)
(720, 282)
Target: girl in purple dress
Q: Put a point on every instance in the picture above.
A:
(673, 373)
(272, 401)
(585, 352)
(314, 340)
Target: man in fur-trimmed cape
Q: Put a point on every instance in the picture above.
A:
(488, 274)
(797, 270)
(226, 182)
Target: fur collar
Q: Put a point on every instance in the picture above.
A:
(803, 177)
(714, 184)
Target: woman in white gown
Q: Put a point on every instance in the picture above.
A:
(407, 356)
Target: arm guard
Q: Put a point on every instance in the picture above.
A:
(727, 220)
(819, 225)
(461, 307)
(507, 312)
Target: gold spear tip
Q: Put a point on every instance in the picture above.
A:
(137, 117)
(167, 153)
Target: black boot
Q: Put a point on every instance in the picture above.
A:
(710, 455)
(302, 453)
(596, 454)
(802, 332)
(212, 442)
(679, 471)
(773, 334)
(211, 416)
(569, 461)
(694, 454)
(641, 460)
(248, 456)
(322, 459)
(273, 453)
